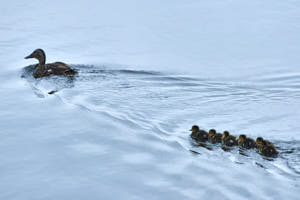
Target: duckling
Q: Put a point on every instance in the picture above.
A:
(198, 134)
(42, 69)
(214, 137)
(246, 142)
(260, 140)
(266, 149)
(228, 140)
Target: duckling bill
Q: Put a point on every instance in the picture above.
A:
(42, 69)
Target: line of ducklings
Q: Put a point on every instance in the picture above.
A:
(265, 147)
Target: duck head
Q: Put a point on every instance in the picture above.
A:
(38, 54)
(212, 132)
(242, 138)
(262, 145)
(225, 135)
(195, 129)
(259, 141)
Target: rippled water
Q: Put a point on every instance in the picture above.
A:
(147, 72)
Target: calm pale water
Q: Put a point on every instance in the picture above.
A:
(148, 71)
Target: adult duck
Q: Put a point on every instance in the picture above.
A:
(42, 69)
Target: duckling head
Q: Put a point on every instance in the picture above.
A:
(242, 138)
(212, 132)
(38, 54)
(195, 129)
(259, 141)
(225, 135)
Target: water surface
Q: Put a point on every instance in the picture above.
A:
(148, 71)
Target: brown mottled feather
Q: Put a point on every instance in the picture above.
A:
(57, 68)
(42, 69)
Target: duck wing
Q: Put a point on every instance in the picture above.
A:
(57, 68)
(60, 68)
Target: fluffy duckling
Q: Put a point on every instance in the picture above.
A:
(229, 140)
(260, 140)
(198, 134)
(246, 142)
(214, 137)
(42, 69)
(266, 148)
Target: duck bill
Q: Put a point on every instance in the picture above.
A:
(30, 56)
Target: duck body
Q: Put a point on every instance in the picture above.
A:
(42, 69)
(199, 135)
(266, 148)
(249, 144)
(268, 151)
(202, 136)
(57, 68)
(217, 138)
(229, 140)
(246, 142)
(268, 143)
(260, 141)
(214, 137)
